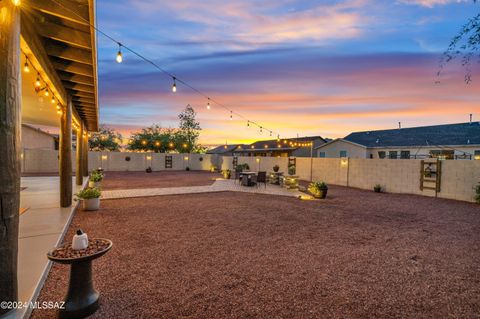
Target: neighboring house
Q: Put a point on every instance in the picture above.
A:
(35, 138)
(224, 150)
(292, 147)
(449, 141)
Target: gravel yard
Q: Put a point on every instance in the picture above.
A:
(130, 180)
(357, 254)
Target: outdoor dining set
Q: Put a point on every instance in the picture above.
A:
(249, 179)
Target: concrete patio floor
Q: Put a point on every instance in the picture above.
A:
(42, 227)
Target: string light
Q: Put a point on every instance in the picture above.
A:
(37, 81)
(261, 129)
(53, 99)
(208, 104)
(16, 2)
(58, 107)
(248, 123)
(270, 133)
(151, 62)
(119, 53)
(26, 68)
(46, 92)
(174, 86)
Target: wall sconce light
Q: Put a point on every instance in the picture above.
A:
(344, 162)
(186, 158)
(149, 157)
(257, 160)
(104, 157)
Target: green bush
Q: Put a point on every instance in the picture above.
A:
(88, 193)
(226, 174)
(292, 170)
(318, 188)
(96, 177)
(242, 167)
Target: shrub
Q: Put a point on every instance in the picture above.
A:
(148, 170)
(477, 193)
(276, 168)
(187, 168)
(318, 189)
(88, 193)
(242, 167)
(377, 188)
(226, 174)
(96, 177)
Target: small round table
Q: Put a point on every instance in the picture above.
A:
(82, 298)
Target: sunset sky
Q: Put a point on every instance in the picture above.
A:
(297, 67)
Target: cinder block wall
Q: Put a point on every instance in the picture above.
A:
(397, 176)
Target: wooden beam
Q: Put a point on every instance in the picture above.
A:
(93, 38)
(66, 155)
(35, 44)
(10, 126)
(66, 52)
(64, 34)
(78, 87)
(85, 95)
(69, 10)
(81, 79)
(73, 67)
(79, 99)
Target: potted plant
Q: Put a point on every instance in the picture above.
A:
(148, 170)
(318, 189)
(291, 170)
(95, 179)
(276, 168)
(90, 197)
(187, 168)
(377, 188)
(226, 174)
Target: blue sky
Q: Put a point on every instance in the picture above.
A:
(297, 67)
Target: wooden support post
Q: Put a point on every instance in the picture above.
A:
(79, 156)
(10, 111)
(66, 155)
(85, 153)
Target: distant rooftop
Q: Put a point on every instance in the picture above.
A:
(447, 134)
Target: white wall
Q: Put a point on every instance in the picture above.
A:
(397, 176)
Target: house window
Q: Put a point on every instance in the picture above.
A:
(343, 153)
(476, 155)
(442, 154)
(321, 154)
(405, 154)
(381, 154)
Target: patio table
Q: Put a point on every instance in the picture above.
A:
(247, 178)
(82, 298)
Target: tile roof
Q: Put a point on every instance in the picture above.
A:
(448, 134)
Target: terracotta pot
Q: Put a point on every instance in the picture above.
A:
(91, 204)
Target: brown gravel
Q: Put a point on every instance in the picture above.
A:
(131, 180)
(357, 254)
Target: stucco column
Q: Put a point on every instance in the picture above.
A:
(10, 111)
(85, 152)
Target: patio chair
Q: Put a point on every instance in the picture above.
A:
(261, 177)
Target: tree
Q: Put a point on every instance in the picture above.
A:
(153, 139)
(106, 139)
(189, 130)
(466, 45)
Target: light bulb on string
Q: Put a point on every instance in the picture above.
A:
(270, 133)
(261, 130)
(26, 68)
(53, 99)
(119, 53)
(37, 81)
(248, 123)
(231, 116)
(16, 2)
(58, 107)
(174, 86)
(46, 92)
(208, 104)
